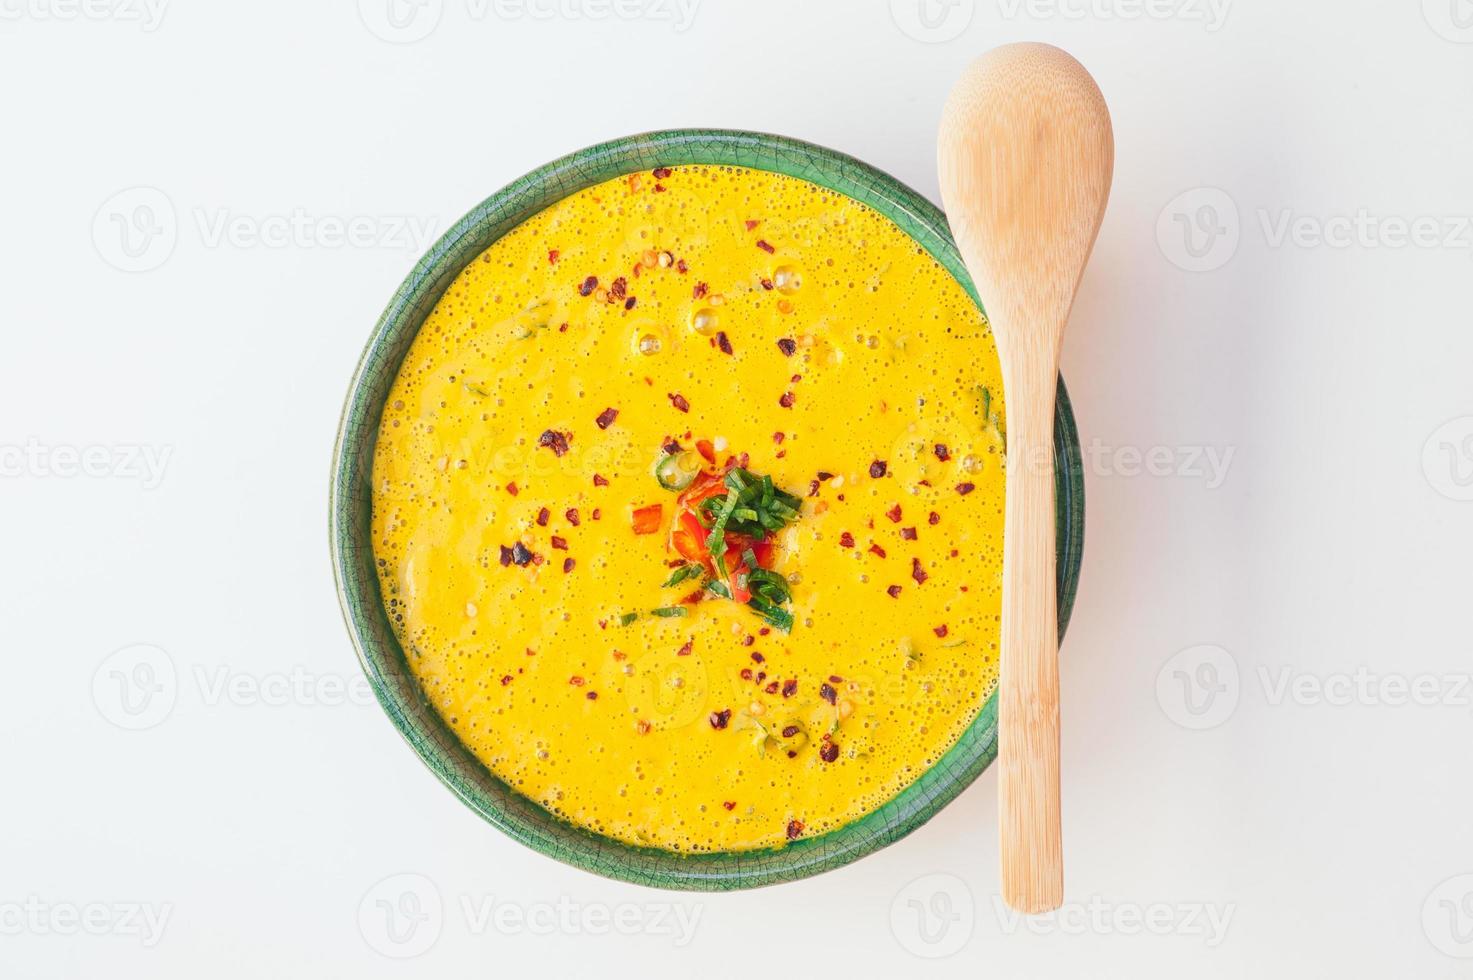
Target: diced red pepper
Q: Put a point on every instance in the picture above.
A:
(647, 519)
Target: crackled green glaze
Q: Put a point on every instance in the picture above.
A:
(353, 560)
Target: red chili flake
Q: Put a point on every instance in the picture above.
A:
(505, 555)
(560, 543)
(588, 286)
(698, 290)
(554, 440)
(531, 652)
(829, 752)
(766, 283)
(646, 520)
(965, 488)
(637, 271)
(572, 516)
(520, 555)
(796, 378)
(762, 244)
(629, 303)
(894, 513)
(542, 516)
(748, 640)
(597, 513)
(835, 679)
(894, 591)
(827, 692)
(661, 172)
(606, 418)
(719, 719)
(825, 476)
(787, 345)
(786, 401)
(618, 288)
(846, 540)
(762, 676)
(795, 827)
(908, 533)
(877, 469)
(940, 630)
(670, 447)
(942, 453)
(511, 488)
(723, 342)
(505, 679)
(790, 731)
(729, 804)
(642, 726)
(552, 255)
(750, 223)
(591, 695)
(620, 655)
(778, 438)
(678, 400)
(599, 481)
(763, 631)
(875, 549)
(568, 564)
(757, 657)
(935, 518)
(681, 267)
(659, 188)
(813, 488)
(771, 688)
(790, 687)
(575, 680)
(917, 572)
(684, 651)
(924, 483)
(746, 673)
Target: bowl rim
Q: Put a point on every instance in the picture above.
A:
(350, 508)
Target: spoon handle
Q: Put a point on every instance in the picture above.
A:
(1032, 855)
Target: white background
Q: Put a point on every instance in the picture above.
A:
(1336, 373)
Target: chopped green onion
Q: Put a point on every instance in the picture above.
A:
(627, 618)
(669, 612)
(780, 618)
(682, 573)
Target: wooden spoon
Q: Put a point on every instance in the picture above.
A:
(1026, 154)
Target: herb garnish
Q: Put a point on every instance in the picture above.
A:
(724, 531)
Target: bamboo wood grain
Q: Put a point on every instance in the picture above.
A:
(1026, 155)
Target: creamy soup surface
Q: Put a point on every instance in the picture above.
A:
(687, 507)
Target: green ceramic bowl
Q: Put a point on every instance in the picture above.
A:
(352, 551)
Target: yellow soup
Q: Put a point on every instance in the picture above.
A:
(747, 386)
